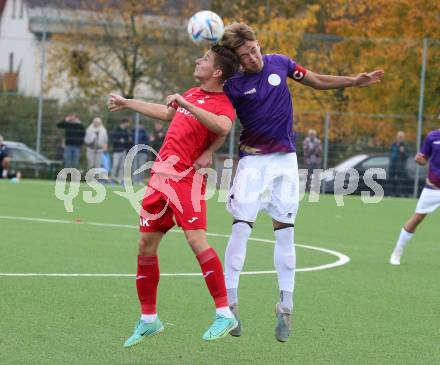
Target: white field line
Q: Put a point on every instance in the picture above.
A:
(342, 259)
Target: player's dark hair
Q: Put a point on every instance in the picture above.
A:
(236, 34)
(226, 60)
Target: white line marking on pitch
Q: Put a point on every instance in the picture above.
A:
(342, 259)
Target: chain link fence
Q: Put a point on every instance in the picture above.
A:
(344, 121)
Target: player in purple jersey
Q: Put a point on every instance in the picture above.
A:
(267, 173)
(429, 199)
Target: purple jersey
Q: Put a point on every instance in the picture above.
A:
(264, 106)
(431, 149)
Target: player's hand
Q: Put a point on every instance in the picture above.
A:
(176, 100)
(368, 78)
(116, 103)
(421, 159)
(204, 160)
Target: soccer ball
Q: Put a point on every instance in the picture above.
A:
(205, 28)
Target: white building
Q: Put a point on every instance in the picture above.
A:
(19, 48)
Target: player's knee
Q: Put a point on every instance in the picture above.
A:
(419, 218)
(145, 245)
(237, 262)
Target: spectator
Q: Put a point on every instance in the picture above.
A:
(121, 141)
(399, 155)
(157, 136)
(73, 139)
(139, 136)
(96, 140)
(312, 149)
(5, 161)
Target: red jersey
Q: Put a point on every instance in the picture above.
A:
(187, 138)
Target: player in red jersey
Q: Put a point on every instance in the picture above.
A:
(200, 118)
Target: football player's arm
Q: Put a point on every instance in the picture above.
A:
(152, 110)
(325, 82)
(421, 159)
(218, 124)
(205, 159)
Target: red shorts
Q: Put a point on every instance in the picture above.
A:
(182, 199)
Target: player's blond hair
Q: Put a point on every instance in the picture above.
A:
(237, 34)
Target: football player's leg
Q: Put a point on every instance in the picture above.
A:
(285, 262)
(244, 204)
(213, 273)
(148, 274)
(428, 202)
(406, 233)
(283, 209)
(234, 257)
(147, 280)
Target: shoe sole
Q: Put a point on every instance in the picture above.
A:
(236, 332)
(137, 342)
(224, 334)
(282, 340)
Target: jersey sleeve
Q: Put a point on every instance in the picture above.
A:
(227, 88)
(294, 71)
(427, 146)
(225, 107)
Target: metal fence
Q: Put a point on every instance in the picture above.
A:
(346, 128)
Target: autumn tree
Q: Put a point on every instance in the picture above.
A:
(125, 46)
(345, 38)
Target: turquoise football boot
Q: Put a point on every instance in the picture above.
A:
(220, 328)
(144, 330)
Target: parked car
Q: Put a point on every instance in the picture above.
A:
(363, 162)
(30, 163)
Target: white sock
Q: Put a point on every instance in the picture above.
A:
(286, 300)
(232, 295)
(149, 318)
(285, 258)
(235, 255)
(403, 239)
(224, 311)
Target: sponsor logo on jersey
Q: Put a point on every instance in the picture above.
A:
(201, 101)
(251, 91)
(185, 112)
(192, 220)
(274, 79)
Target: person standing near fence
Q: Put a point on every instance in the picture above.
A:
(398, 157)
(121, 141)
(158, 135)
(139, 136)
(96, 140)
(312, 150)
(73, 139)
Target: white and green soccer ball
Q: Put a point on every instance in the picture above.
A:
(205, 28)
